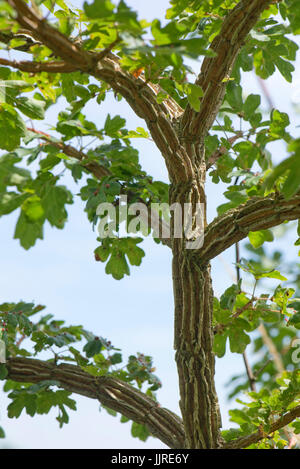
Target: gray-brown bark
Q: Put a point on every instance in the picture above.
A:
(193, 299)
(194, 356)
(258, 213)
(109, 391)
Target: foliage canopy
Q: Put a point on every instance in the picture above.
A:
(70, 56)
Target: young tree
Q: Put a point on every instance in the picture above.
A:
(198, 125)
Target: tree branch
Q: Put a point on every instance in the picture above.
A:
(7, 36)
(269, 343)
(258, 213)
(111, 392)
(215, 71)
(221, 150)
(98, 170)
(139, 93)
(37, 67)
(249, 371)
(246, 441)
(95, 168)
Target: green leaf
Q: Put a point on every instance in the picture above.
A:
(82, 361)
(22, 401)
(14, 86)
(259, 36)
(238, 339)
(296, 426)
(10, 175)
(28, 231)
(239, 416)
(234, 96)
(251, 104)
(99, 9)
(62, 417)
(282, 297)
(220, 344)
(286, 68)
(102, 253)
(194, 93)
(272, 274)
(53, 201)
(124, 419)
(50, 162)
(228, 298)
(33, 108)
(117, 265)
(111, 412)
(9, 201)
(257, 238)
(93, 347)
(33, 209)
(140, 132)
(139, 431)
(48, 399)
(112, 126)
(116, 358)
(3, 372)
(168, 34)
(292, 183)
(127, 20)
(68, 87)
(254, 270)
(12, 128)
(132, 251)
(295, 321)
(279, 122)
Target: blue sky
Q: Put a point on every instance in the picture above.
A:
(136, 313)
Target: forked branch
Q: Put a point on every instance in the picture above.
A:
(123, 398)
(216, 71)
(139, 93)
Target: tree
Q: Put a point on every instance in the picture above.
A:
(81, 55)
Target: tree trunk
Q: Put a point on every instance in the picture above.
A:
(193, 296)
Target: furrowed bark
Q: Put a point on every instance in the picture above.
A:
(259, 213)
(194, 356)
(216, 70)
(111, 392)
(192, 281)
(193, 297)
(193, 294)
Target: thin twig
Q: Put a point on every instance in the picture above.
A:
(249, 370)
(281, 422)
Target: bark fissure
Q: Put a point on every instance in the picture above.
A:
(258, 213)
(216, 70)
(109, 391)
(193, 326)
